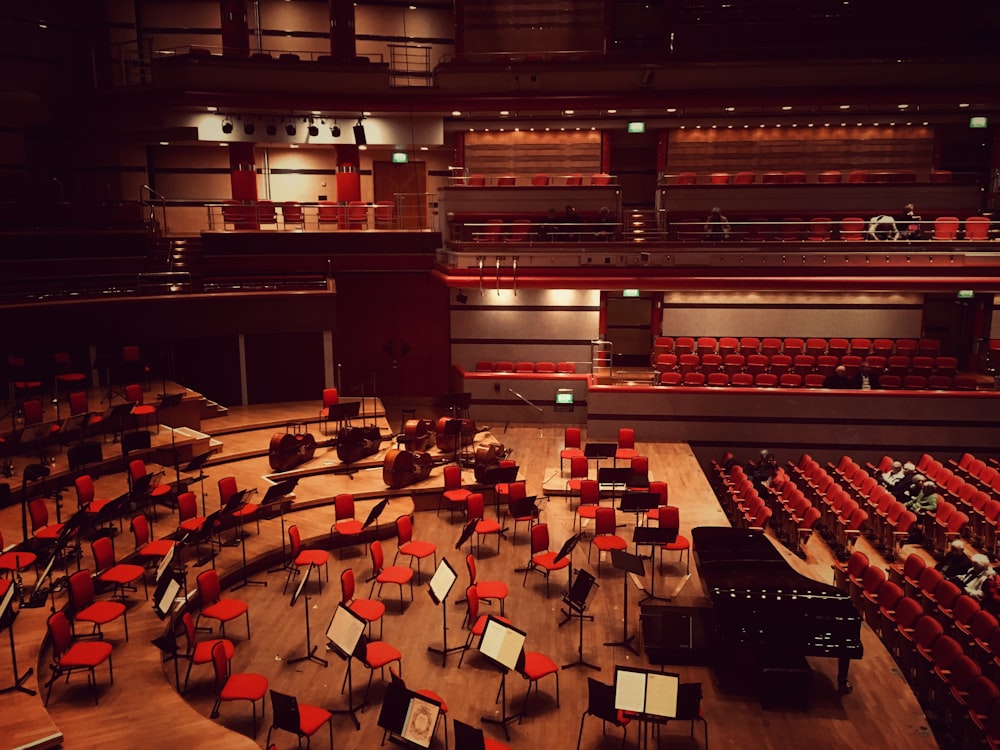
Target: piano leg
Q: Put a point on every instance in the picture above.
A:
(843, 685)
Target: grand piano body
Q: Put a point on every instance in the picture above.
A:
(760, 603)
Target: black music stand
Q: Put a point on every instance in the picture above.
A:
(439, 587)
(577, 601)
(457, 403)
(600, 451)
(407, 716)
(374, 513)
(39, 434)
(616, 477)
(637, 501)
(82, 455)
(494, 475)
(453, 429)
(114, 419)
(653, 536)
(167, 643)
(566, 551)
(342, 413)
(344, 634)
(467, 531)
(7, 617)
(241, 500)
(198, 464)
(503, 644)
(627, 563)
(275, 495)
(310, 654)
(73, 426)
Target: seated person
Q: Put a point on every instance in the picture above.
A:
(838, 379)
(911, 224)
(895, 473)
(955, 562)
(925, 500)
(975, 580)
(866, 379)
(912, 480)
(882, 227)
(606, 233)
(716, 226)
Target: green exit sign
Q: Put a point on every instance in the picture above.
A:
(978, 122)
(636, 127)
(400, 157)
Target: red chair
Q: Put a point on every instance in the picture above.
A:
(300, 719)
(475, 511)
(604, 537)
(242, 686)
(945, 228)
(345, 525)
(977, 228)
(453, 494)
(214, 607)
(475, 622)
(299, 558)
(120, 576)
(69, 656)
(670, 519)
(626, 445)
(542, 559)
(368, 610)
(572, 445)
(413, 548)
(83, 607)
(852, 229)
(489, 591)
(395, 574)
(534, 667)
(149, 551)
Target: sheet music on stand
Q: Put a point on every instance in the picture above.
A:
(165, 595)
(646, 692)
(344, 631)
(502, 643)
(409, 715)
(442, 581)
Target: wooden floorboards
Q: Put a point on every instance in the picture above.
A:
(143, 708)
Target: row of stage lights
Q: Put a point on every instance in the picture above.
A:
(291, 128)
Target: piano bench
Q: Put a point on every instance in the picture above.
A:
(784, 679)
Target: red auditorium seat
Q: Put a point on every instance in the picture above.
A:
(852, 229)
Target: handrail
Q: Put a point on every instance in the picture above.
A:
(152, 212)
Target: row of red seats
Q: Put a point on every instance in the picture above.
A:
(804, 364)
(540, 179)
(974, 228)
(748, 177)
(485, 365)
(945, 644)
(793, 345)
(746, 379)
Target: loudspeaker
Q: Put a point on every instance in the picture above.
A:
(359, 135)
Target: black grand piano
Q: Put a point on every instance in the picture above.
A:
(760, 603)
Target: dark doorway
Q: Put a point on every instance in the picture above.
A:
(406, 186)
(627, 326)
(960, 323)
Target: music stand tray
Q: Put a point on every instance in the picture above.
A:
(600, 450)
(614, 476)
(494, 475)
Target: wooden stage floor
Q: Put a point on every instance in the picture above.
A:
(143, 708)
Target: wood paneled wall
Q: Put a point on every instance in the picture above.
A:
(524, 154)
(811, 150)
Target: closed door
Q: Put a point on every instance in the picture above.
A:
(405, 185)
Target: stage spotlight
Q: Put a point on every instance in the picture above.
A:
(313, 130)
(462, 297)
(359, 134)
(249, 128)
(271, 128)
(290, 129)
(335, 130)
(227, 126)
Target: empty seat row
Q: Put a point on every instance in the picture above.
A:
(540, 179)
(792, 345)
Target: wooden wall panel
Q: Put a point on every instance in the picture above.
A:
(525, 153)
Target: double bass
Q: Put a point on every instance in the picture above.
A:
(354, 443)
(417, 435)
(488, 456)
(289, 449)
(450, 441)
(401, 468)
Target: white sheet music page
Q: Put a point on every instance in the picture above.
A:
(661, 694)
(630, 690)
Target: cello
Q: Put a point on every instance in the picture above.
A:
(289, 449)
(488, 456)
(401, 468)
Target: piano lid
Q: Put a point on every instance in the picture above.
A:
(759, 599)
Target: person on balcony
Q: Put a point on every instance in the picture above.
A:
(716, 226)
